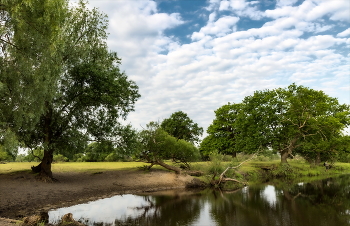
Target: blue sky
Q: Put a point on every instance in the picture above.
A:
(197, 55)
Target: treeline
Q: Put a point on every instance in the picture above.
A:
(280, 122)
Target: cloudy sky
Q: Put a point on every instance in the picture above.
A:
(197, 55)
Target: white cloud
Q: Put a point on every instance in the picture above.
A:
(344, 33)
(222, 26)
(222, 64)
(282, 3)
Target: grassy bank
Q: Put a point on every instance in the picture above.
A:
(261, 171)
(251, 172)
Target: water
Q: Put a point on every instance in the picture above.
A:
(318, 203)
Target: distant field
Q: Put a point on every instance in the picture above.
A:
(71, 166)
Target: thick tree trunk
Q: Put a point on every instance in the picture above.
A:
(284, 156)
(166, 166)
(44, 168)
(318, 159)
(234, 154)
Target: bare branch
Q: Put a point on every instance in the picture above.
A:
(221, 178)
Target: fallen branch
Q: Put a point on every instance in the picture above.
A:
(222, 175)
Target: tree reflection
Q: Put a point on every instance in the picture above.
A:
(166, 210)
(325, 202)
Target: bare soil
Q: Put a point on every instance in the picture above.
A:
(22, 195)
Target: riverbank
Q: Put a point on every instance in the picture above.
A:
(22, 195)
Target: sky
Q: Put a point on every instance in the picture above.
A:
(197, 55)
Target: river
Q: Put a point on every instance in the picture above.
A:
(317, 203)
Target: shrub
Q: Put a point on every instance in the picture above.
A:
(60, 158)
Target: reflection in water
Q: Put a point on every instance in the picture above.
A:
(325, 202)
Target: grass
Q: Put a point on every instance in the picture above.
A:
(90, 167)
(252, 168)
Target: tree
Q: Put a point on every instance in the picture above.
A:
(223, 131)
(30, 62)
(91, 94)
(158, 145)
(180, 126)
(287, 119)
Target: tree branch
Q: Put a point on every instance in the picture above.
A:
(221, 178)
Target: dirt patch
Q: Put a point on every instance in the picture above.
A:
(22, 195)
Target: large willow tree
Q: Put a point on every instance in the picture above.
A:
(78, 91)
(30, 62)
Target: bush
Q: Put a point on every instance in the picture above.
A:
(60, 158)
(4, 156)
(284, 171)
(215, 165)
(80, 157)
(112, 157)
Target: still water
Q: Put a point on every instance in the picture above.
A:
(317, 203)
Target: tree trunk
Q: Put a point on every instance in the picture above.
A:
(44, 168)
(284, 156)
(166, 166)
(318, 159)
(234, 154)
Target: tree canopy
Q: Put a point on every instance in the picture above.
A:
(179, 125)
(157, 145)
(223, 131)
(30, 62)
(293, 120)
(89, 94)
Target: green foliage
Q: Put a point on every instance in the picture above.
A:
(79, 157)
(215, 166)
(60, 158)
(67, 88)
(180, 126)
(295, 120)
(223, 131)
(4, 156)
(284, 171)
(157, 144)
(30, 51)
(98, 151)
(35, 155)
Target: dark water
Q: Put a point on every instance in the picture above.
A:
(317, 203)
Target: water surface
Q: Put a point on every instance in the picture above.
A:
(318, 203)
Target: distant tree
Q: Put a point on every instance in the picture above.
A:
(180, 126)
(91, 94)
(223, 131)
(158, 145)
(287, 119)
(98, 151)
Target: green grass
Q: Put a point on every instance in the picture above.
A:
(252, 168)
(253, 173)
(90, 167)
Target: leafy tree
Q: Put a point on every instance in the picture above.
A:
(30, 61)
(286, 119)
(180, 126)
(91, 93)
(158, 145)
(223, 131)
(98, 151)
